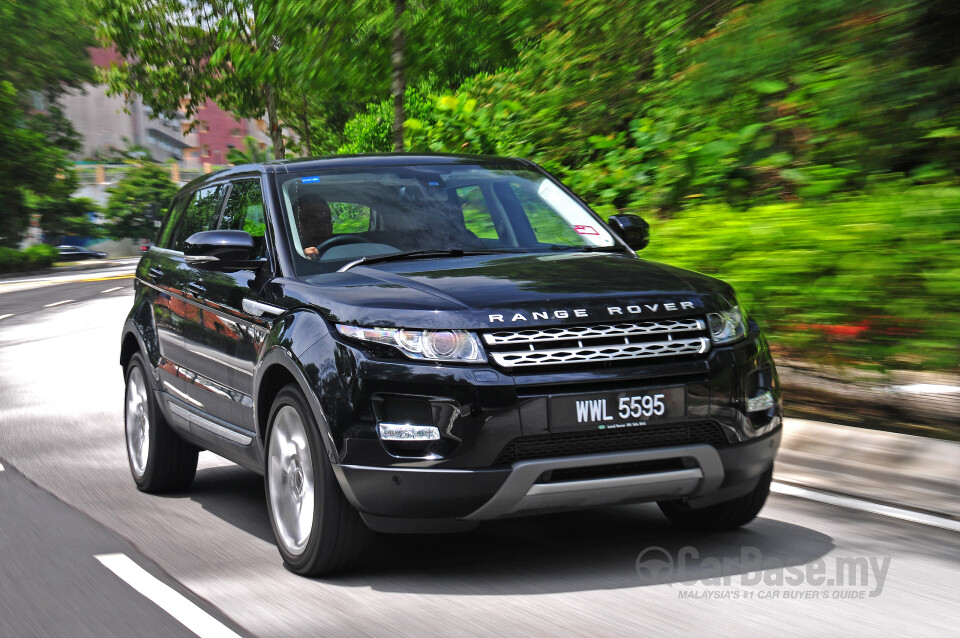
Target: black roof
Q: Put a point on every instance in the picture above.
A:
(332, 162)
(385, 159)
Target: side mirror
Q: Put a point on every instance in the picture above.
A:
(632, 229)
(221, 250)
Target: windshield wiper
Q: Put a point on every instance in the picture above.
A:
(418, 254)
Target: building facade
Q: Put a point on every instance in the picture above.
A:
(111, 124)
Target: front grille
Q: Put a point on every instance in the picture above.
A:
(547, 446)
(604, 342)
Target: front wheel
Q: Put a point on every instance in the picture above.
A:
(317, 531)
(725, 515)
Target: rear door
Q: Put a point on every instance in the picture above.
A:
(164, 273)
(224, 341)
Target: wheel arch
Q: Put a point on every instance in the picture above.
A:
(276, 370)
(129, 346)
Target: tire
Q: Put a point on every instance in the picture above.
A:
(160, 461)
(317, 531)
(726, 515)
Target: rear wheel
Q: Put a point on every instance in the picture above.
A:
(725, 515)
(160, 461)
(317, 531)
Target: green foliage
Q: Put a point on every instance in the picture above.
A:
(43, 53)
(68, 218)
(371, 130)
(647, 104)
(251, 153)
(311, 65)
(458, 124)
(885, 264)
(33, 258)
(140, 198)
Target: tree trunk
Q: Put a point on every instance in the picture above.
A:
(399, 7)
(305, 117)
(276, 133)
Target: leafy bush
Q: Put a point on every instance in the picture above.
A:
(34, 257)
(371, 131)
(868, 280)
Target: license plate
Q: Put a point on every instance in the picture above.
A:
(614, 410)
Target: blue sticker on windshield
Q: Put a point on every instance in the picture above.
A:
(310, 180)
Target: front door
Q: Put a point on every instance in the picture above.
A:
(224, 341)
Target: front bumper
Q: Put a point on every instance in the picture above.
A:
(410, 499)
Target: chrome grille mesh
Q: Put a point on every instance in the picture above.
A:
(597, 343)
(536, 335)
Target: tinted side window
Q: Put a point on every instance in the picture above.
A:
(201, 214)
(549, 227)
(244, 211)
(165, 233)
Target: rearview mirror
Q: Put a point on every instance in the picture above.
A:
(632, 229)
(221, 250)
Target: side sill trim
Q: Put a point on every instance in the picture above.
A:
(209, 426)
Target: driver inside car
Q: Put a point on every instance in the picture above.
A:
(314, 222)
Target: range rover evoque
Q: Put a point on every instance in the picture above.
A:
(419, 343)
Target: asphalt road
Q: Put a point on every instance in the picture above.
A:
(803, 568)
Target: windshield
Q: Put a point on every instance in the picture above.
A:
(336, 217)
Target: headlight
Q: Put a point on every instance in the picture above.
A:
(430, 345)
(727, 326)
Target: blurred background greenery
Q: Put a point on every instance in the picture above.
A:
(807, 151)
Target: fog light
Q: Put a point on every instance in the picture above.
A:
(761, 402)
(397, 432)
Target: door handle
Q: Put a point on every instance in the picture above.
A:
(196, 288)
(155, 272)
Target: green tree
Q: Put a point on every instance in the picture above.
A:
(44, 55)
(347, 56)
(245, 55)
(69, 218)
(250, 154)
(139, 199)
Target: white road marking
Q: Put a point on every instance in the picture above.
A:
(111, 290)
(5, 316)
(58, 303)
(165, 597)
(1, 467)
(865, 506)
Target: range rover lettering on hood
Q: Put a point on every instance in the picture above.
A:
(611, 311)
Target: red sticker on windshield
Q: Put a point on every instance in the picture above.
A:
(586, 230)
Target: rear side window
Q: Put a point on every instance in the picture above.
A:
(244, 211)
(201, 214)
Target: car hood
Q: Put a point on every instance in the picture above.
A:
(511, 290)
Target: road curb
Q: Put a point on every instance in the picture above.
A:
(901, 470)
(912, 402)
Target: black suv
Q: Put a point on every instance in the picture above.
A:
(417, 343)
